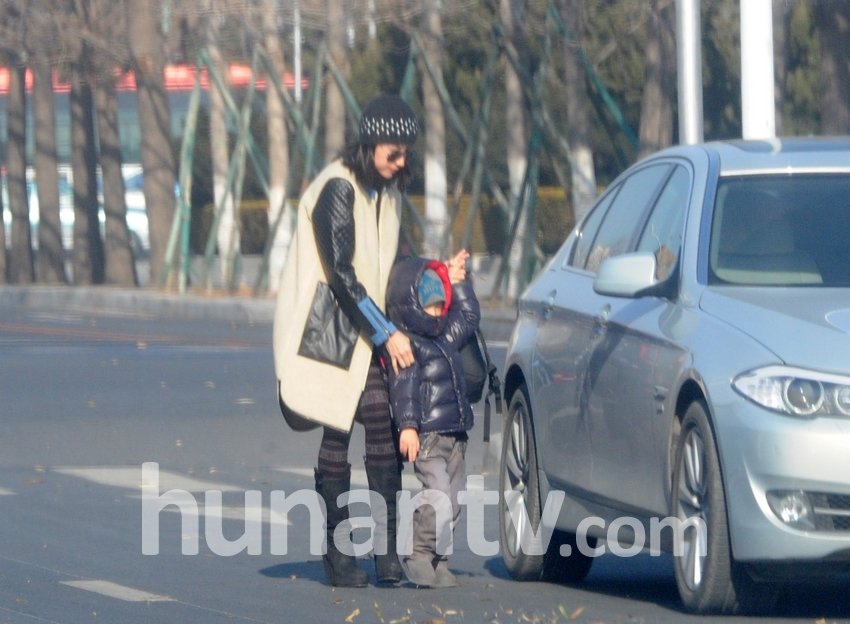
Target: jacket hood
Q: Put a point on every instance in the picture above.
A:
(403, 306)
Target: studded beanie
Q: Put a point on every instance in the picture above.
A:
(388, 119)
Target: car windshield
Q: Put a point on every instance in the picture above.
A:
(781, 230)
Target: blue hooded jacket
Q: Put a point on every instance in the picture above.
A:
(430, 396)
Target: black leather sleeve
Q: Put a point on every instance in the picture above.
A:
(333, 227)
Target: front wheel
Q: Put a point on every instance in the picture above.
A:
(707, 577)
(526, 557)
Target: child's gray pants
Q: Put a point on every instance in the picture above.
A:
(441, 468)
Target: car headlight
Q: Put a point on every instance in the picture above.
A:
(796, 391)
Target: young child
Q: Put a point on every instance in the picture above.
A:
(436, 307)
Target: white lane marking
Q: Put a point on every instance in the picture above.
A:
(5, 492)
(114, 590)
(237, 511)
(131, 478)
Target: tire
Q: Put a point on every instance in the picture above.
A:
(519, 484)
(707, 576)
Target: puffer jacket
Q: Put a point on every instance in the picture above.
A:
(430, 396)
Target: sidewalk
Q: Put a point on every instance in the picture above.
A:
(496, 322)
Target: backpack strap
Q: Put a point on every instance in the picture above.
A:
(494, 386)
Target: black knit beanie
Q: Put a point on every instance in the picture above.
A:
(388, 119)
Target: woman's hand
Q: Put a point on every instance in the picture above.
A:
(457, 266)
(408, 444)
(399, 350)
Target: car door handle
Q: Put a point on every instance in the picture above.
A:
(600, 321)
(548, 305)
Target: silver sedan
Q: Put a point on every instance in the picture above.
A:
(679, 377)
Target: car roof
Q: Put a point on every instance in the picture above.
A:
(779, 155)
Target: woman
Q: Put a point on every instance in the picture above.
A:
(330, 332)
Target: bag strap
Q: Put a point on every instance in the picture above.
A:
(494, 385)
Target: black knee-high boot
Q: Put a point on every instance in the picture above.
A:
(386, 482)
(340, 569)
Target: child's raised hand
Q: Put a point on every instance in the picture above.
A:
(457, 266)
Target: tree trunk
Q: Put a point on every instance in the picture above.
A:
(780, 60)
(3, 253)
(656, 110)
(578, 115)
(227, 235)
(87, 253)
(334, 103)
(120, 264)
(516, 148)
(436, 183)
(158, 160)
(50, 260)
(278, 149)
(833, 20)
(20, 260)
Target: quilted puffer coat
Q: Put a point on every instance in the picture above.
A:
(430, 396)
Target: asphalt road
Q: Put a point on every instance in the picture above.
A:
(88, 398)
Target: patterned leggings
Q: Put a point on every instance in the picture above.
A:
(373, 413)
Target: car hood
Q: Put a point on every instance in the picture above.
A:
(802, 326)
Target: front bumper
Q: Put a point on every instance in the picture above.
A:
(763, 452)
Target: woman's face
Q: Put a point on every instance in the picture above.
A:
(390, 158)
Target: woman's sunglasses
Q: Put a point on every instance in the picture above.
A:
(398, 155)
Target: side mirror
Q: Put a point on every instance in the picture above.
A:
(629, 275)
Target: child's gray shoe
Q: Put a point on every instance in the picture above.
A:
(419, 572)
(443, 577)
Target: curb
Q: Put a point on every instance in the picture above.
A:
(496, 322)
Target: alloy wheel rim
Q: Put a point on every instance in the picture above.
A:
(516, 482)
(692, 508)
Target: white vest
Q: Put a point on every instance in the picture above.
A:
(322, 392)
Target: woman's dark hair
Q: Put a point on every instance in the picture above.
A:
(360, 159)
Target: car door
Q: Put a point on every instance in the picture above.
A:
(570, 336)
(632, 364)
(563, 339)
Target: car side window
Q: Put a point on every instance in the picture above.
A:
(588, 230)
(626, 213)
(663, 232)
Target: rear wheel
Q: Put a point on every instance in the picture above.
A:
(519, 487)
(708, 578)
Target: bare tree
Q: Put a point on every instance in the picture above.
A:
(87, 255)
(516, 147)
(278, 147)
(20, 262)
(120, 265)
(147, 47)
(833, 20)
(436, 182)
(227, 235)
(780, 58)
(334, 103)
(656, 110)
(105, 27)
(51, 254)
(578, 113)
(44, 49)
(2, 241)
